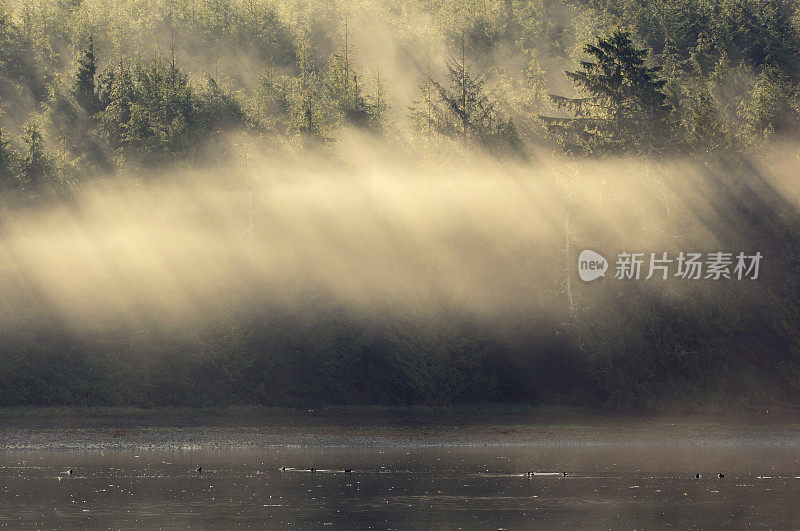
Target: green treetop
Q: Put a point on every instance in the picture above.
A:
(84, 89)
(625, 107)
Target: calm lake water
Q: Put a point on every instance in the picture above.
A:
(437, 488)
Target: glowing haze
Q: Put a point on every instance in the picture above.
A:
(382, 232)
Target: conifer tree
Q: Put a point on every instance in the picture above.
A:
(423, 108)
(462, 109)
(151, 107)
(770, 107)
(6, 160)
(84, 89)
(625, 107)
(307, 116)
(35, 164)
(703, 130)
(465, 98)
(347, 91)
(116, 94)
(274, 101)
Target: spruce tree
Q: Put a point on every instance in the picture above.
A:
(422, 109)
(703, 129)
(116, 94)
(6, 161)
(84, 90)
(470, 110)
(462, 109)
(273, 100)
(35, 164)
(308, 113)
(347, 91)
(625, 107)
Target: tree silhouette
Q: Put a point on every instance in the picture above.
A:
(465, 97)
(308, 112)
(6, 161)
(151, 107)
(84, 89)
(346, 91)
(116, 94)
(462, 109)
(36, 165)
(626, 107)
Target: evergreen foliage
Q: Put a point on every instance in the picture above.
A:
(462, 109)
(625, 107)
(84, 91)
(37, 168)
(7, 162)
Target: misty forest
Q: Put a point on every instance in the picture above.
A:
(327, 202)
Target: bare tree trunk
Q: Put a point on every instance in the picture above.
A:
(568, 285)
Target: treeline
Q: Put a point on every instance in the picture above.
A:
(83, 91)
(323, 356)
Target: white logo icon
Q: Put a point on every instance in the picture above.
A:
(591, 265)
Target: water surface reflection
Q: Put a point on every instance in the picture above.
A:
(442, 487)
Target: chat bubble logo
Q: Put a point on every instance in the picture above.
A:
(591, 265)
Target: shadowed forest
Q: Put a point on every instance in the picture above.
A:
(319, 202)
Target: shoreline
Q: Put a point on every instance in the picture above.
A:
(30, 429)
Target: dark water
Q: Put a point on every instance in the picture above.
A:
(439, 488)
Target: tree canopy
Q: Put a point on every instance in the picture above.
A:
(462, 108)
(624, 107)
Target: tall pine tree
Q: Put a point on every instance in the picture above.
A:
(470, 109)
(462, 109)
(625, 107)
(6, 161)
(36, 166)
(308, 111)
(84, 89)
